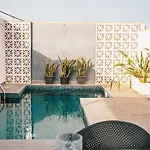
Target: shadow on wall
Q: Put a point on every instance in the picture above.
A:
(38, 69)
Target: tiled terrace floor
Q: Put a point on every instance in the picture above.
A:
(125, 105)
(131, 109)
(125, 91)
(27, 144)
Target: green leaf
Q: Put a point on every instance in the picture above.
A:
(146, 49)
(111, 84)
(124, 54)
(120, 64)
(137, 59)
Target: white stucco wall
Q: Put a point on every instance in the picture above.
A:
(144, 40)
(2, 51)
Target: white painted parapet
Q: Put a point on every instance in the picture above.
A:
(2, 51)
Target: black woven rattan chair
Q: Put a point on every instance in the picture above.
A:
(114, 135)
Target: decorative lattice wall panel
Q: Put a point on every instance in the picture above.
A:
(18, 52)
(110, 38)
(19, 124)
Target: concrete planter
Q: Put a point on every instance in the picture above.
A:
(141, 88)
(81, 79)
(49, 80)
(64, 80)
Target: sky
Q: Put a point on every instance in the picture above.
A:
(79, 10)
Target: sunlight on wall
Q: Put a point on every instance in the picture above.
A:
(144, 40)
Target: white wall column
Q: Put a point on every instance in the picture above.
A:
(2, 51)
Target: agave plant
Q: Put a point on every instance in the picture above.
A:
(50, 69)
(82, 66)
(67, 67)
(139, 68)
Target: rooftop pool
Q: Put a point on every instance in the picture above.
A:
(43, 112)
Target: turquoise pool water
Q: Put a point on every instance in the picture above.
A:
(42, 113)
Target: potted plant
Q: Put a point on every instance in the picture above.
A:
(81, 69)
(50, 70)
(67, 67)
(139, 69)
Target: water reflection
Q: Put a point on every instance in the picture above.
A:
(18, 119)
(62, 106)
(55, 114)
(42, 115)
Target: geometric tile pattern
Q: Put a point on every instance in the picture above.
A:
(19, 124)
(18, 52)
(110, 38)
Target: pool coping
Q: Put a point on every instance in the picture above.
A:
(16, 91)
(9, 87)
(45, 144)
